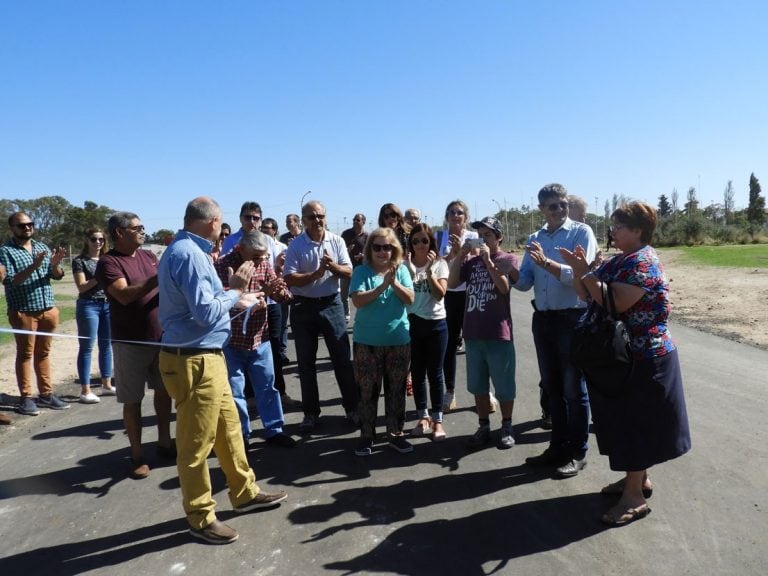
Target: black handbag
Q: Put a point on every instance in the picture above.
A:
(601, 347)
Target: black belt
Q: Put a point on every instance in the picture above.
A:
(189, 351)
(323, 299)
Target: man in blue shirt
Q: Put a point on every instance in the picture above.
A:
(194, 314)
(314, 263)
(557, 310)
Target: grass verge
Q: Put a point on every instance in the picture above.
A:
(734, 256)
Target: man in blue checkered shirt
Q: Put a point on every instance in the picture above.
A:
(30, 265)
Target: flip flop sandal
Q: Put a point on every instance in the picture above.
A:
(617, 488)
(628, 516)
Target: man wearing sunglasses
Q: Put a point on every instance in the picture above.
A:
(29, 266)
(314, 263)
(250, 219)
(129, 276)
(557, 310)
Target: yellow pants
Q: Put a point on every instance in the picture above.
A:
(206, 418)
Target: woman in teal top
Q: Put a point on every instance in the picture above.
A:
(380, 290)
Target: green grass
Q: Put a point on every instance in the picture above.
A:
(65, 303)
(735, 256)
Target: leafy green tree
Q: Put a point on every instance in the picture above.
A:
(71, 229)
(756, 207)
(162, 236)
(665, 208)
(57, 222)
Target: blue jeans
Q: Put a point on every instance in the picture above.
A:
(311, 317)
(93, 321)
(562, 381)
(429, 340)
(258, 364)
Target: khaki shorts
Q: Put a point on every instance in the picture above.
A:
(135, 366)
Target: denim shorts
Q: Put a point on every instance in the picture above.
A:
(491, 360)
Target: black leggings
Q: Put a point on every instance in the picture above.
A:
(454, 311)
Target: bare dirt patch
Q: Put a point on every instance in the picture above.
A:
(729, 302)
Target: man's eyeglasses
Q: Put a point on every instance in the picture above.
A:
(415, 241)
(315, 217)
(380, 247)
(555, 206)
(250, 217)
(25, 225)
(96, 239)
(455, 212)
(617, 227)
(138, 228)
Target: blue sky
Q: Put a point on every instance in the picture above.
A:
(144, 105)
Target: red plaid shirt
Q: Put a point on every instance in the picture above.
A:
(256, 329)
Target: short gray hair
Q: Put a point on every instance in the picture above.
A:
(254, 240)
(201, 209)
(119, 220)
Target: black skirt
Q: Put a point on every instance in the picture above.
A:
(649, 424)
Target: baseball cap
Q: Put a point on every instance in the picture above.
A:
(489, 222)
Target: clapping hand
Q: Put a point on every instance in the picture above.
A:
(239, 280)
(576, 260)
(57, 255)
(536, 252)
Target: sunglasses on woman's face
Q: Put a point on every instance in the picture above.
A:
(390, 215)
(455, 212)
(416, 241)
(95, 239)
(380, 247)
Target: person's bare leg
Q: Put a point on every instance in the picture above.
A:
(483, 405)
(506, 408)
(132, 423)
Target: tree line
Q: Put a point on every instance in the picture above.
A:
(59, 223)
(678, 224)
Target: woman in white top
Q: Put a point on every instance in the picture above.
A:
(456, 225)
(428, 329)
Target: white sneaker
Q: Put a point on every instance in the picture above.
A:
(89, 398)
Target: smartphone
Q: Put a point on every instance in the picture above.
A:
(474, 243)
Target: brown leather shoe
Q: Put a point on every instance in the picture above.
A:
(215, 533)
(263, 500)
(5, 419)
